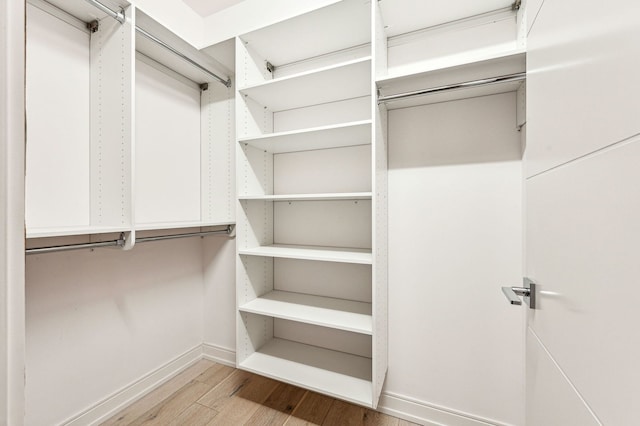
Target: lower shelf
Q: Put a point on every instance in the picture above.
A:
(338, 374)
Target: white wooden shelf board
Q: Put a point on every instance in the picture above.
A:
(82, 230)
(333, 136)
(351, 79)
(340, 314)
(503, 61)
(323, 254)
(337, 374)
(178, 225)
(309, 197)
(339, 26)
(424, 14)
(452, 73)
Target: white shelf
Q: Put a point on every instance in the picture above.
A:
(179, 225)
(71, 231)
(329, 372)
(350, 79)
(309, 197)
(333, 136)
(453, 70)
(323, 254)
(340, 314)
(338, 26)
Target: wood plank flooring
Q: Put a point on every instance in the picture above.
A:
(208, 394)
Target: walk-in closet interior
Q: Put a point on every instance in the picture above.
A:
(327, 193)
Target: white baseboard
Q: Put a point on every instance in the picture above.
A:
(427, 414)
(219, 354)
(390, 403)
(125, 396)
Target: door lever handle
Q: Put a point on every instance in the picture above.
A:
(528, 293)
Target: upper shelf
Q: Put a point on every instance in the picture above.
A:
(74, 230)
(455, 70)
(346, 80)
(431, 13)
(333, 136)
(338, 26)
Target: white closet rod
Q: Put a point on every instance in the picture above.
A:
(121, 241)
(120, 17)
(466, 85)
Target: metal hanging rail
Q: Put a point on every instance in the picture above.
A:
(121, 241)
(466, 85)
(120, 17)
(153, 38)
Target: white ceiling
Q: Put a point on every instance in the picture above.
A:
(209, 7)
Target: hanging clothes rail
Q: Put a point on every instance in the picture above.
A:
(120, 17)
(121, 241)
(466, 85)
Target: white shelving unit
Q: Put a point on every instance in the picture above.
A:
(309, 198)
(92, 150)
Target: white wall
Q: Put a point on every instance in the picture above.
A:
(11, 212)
(455, 221)
(100, 320)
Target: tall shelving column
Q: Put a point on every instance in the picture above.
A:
(311, 214)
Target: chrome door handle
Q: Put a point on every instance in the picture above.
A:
(527, 291)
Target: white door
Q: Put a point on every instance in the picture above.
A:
(582, 204)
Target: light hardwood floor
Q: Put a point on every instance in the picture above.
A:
(213, 394)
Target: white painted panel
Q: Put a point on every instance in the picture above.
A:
(454, 238)
(582, 234)
(218, 154)
(551, 399)
(91, 312)
(532, 9)
(167, 148)
(323, 223)
(588, 52)
(328, 170)
(219, 299)
(341, 280)
(112, 134)
(12, 197)
(57, 91)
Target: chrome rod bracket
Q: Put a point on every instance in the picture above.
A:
(527, 291)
